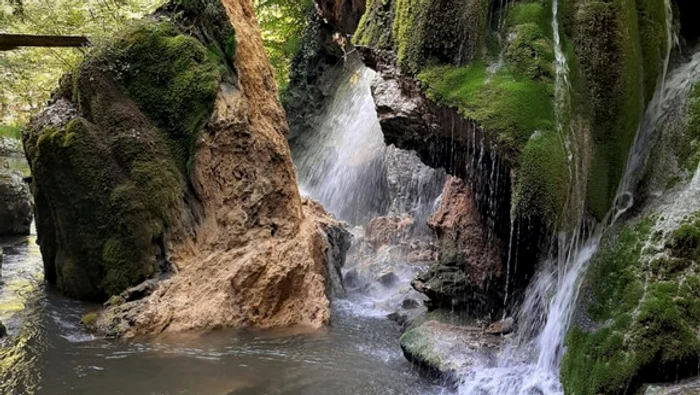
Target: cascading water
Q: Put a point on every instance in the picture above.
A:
(344, 164)
(530, 363)
(344, 167)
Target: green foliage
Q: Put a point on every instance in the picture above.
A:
(282, 23)
(645, 312)
(29, 74)
(688, 152)
(11, 131)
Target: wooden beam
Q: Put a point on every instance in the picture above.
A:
(13, 41)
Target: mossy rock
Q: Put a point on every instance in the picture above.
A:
(621, 46)
(110, 177)
(638, 323)
(423, 32)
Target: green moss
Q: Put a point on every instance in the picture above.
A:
(654, 42)
(375, 27)
(508, 105)
(687, 149)
(621, 45)
(109, 186)
(543, 179)
(644, 314)
(418, 342)
(424, 32)
(176, 89)
(685, 241)
(89, 320)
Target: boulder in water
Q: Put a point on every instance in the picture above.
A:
(444, 344)
(15, 204)
(181, 157)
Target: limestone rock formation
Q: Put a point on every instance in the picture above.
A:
(469, 272)
(15, 204)
(444, 344)
(203, 195)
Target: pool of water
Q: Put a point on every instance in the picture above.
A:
(47, 352)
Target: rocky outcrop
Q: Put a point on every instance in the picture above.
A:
(343, 15)
(445, 344)
(203, 194)
(469, 272)
(15, 204)
(265, 284)
(688, 388)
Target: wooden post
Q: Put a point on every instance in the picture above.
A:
(13, 41)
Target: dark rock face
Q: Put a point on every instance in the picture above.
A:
(15, 204)
(343, 15)
(3, 330)
(442, 138)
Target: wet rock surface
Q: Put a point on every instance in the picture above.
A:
(443, 343)
(15, 203)
(469, 271)
(688, 388)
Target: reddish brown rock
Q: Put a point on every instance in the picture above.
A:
(470, 269)
(383, 231)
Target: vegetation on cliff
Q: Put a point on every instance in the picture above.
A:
(642, 311)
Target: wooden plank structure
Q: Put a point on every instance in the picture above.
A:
(9, 42)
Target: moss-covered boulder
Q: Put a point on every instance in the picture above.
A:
(15, 203)
(640, 312)
(111, 154)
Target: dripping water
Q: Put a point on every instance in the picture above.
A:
(529, 363)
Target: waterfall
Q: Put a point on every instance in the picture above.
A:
(341, 164)
(530, 363)
(344, 163)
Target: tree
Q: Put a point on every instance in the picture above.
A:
(28, 75)
(282, 23)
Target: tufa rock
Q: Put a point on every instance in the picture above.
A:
(469, 268)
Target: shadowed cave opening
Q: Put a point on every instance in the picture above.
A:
(690, 28)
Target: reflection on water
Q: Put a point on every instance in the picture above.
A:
(48, 353)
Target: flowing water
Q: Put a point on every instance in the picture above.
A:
(529, 364)
(47, 352)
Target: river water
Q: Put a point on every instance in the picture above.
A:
(47, 351)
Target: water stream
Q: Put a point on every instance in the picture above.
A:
(529, 363)
(47, 351)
